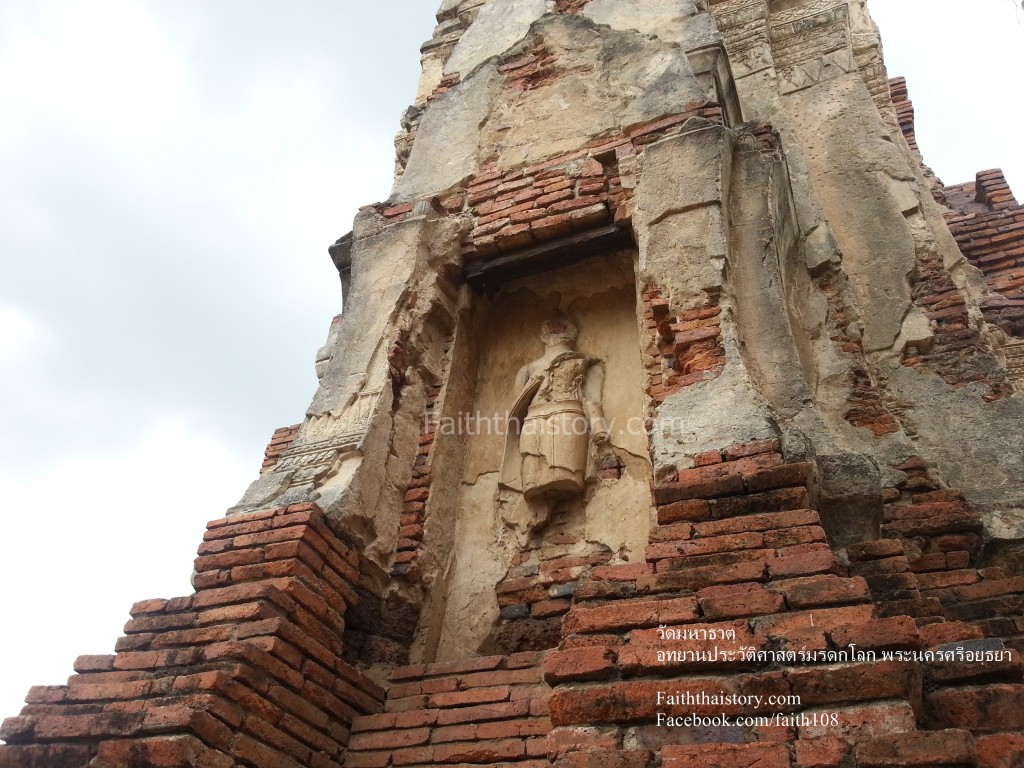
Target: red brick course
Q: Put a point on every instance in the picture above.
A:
(683, 347)
(279, 443)
(988, 224)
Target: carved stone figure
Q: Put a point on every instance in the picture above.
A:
(554, 419)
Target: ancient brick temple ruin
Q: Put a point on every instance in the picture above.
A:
(667, 376)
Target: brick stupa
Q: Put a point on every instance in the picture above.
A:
(667, 372)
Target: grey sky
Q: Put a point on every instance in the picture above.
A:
(171, 174)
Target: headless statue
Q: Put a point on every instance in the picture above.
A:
(555, 417)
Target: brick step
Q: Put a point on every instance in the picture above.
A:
(956, 673)
(971, 591)
(942, 561)
(246, 670)
(715, 603)
(979, 709)
(422, 750)
(980, 610)
(686, 575)
(943, 632)
(879, 549)
(720, 647)
(774, 562)
(930, 519)
(918, 608)
(752, 540)
(766, 523)
(893, 586)
(1000, 750)
(637, 700)
(753, 474)
(698, 509)
(483, 711)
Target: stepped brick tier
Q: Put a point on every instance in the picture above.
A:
(673, 419)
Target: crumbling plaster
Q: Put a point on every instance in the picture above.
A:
(613, 79)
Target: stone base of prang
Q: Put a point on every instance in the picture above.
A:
(249, 670)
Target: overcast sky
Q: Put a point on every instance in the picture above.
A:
(171, 174)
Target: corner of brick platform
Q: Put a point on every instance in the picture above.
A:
(246, 671)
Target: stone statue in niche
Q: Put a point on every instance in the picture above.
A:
(555, 418)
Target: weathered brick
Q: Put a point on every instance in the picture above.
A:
(49, 756)
(821, 753)
(769, 501)
(94, 664)
(1001, 750)
(948, 632)
(704, 546)
(604, 759)
(498, 711)
(389, 739)
(983, 709)
(726, 755)
(767, 522)
(470, 697)
(490, 751)
(699, 576)
(861, 722)
(566, 740)
(688, 510)
(578, 664)
(162, 752)
(629, 701)
(953, 748)
(900, 633)
(855, 682)
(824, 590)
(805, 559)
(874, 550)
(630, 615)
(625, 572)
(742, 450)
(734, 601)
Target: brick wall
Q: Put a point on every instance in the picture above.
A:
(514, 209)
(485, 711)
(988, 224)
(682, 348)
(417, 495)
(279, 443)
(746, 556)
(246, 671)
(904, 110)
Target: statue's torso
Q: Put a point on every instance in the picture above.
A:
(561, 380)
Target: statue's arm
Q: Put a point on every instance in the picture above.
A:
(593, 388)
(525, 389)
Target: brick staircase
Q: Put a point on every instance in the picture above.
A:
(485, 711)
(247, 671)
(924, 569)
(738, 554)
(718, 564)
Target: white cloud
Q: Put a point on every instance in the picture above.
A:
(19, 334)
(100, 66)
(86, 538)
(962, 63)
